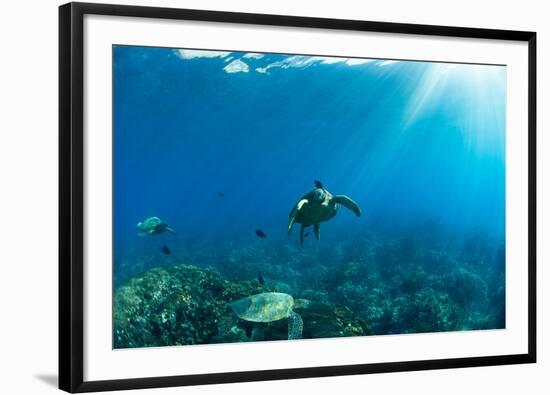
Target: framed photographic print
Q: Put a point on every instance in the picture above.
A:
(258, 197)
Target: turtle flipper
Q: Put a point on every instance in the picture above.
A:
(169, 229)
(348, 203)
(295, 326)
(295, 212)
(317, 231)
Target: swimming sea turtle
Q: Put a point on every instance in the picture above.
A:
(316, 206)
(272, 306)
(153, 226)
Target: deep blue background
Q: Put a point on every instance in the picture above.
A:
(409, 141)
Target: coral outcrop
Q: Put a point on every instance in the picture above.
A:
(184, 304)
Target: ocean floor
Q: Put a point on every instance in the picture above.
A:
(368, 286)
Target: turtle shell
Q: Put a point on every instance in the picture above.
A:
(149, 224)
(264, 307)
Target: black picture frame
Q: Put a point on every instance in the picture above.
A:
(71, 195)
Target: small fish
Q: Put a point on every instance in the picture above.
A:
(318, 184)
(261, 234)
(306, 234)
(261, 279)
(166, 250)
(221, 194)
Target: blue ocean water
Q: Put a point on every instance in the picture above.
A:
(220, 144)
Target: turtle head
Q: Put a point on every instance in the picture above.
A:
(319, 195)
(302, 303)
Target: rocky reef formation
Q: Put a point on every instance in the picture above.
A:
(369, 285)
(401, 287)
(184, 304)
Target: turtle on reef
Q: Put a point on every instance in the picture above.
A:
(272, 306)
(153, 226)
(316, 206)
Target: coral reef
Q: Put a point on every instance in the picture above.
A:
(364, 286)
(184, 304)
(173, 305)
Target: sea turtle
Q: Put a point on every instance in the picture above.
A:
(316, 206)
(153, 226)
(272, 306)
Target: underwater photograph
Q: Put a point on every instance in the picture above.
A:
(262, 196)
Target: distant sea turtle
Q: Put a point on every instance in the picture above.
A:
(316, 206)
(272, 306)
(153, 226)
